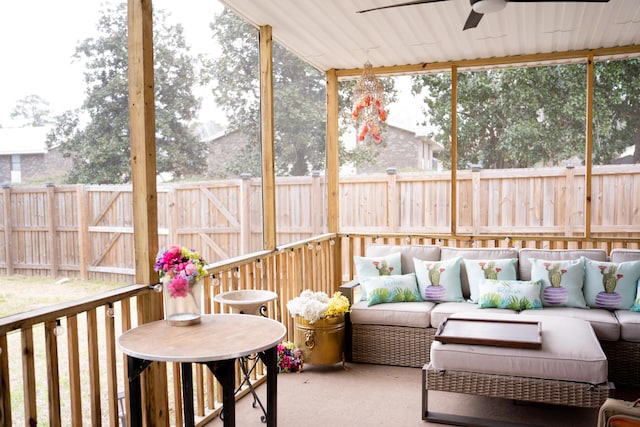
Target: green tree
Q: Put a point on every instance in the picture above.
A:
(33, 111)
(616, 110)
(299, 102)
(96, 136)
(522, 117)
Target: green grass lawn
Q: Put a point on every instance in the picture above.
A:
(19, 294)
(22, 293)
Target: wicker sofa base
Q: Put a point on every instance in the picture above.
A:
(391, 345)
(406, 346)
(623, 358)
(508, 387)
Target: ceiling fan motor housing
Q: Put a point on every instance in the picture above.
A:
(488, 6)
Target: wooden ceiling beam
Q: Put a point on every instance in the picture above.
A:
(498, 62)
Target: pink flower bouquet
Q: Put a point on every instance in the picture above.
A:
(181, 267)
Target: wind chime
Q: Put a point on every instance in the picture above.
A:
(368, 105)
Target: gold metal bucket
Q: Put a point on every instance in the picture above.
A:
(321, 342)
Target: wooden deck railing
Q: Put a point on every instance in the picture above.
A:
(80, 373)
(67, 355)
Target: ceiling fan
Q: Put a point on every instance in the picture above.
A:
(480, 7)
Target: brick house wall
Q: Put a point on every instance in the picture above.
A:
(50, 166)
(34, 163)
(221, 149)
(403, 150)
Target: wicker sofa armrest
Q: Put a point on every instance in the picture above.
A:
(351, 290)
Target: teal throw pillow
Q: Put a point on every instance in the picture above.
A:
(562, 282)
(398, 288)
(636, 303)
(492, 269)
(377, 266)
(512, 294)
(611, 285)
(439, 280)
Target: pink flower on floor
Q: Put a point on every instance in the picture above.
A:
(289, 357)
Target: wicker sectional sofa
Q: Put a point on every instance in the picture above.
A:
(401, 333)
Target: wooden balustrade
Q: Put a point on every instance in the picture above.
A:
(66, 354)
(81, 381)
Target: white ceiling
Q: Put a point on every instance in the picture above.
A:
(330, 34)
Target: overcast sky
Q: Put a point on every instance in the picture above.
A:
(39, 37)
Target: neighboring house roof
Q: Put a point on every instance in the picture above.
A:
(418, 134)
(26, 140)
(221, 135)
(208, 131)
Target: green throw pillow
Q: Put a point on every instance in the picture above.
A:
(377, 266)
(398, 288)
(439, 280)
(611, 285)
(512, 294)
(492, 269)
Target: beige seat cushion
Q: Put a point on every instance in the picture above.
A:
(623, 255)
(411, 314)
(604, 322)
(524, 259)
(629, 325)
(407, 253)
(570, 352)
(445, 309)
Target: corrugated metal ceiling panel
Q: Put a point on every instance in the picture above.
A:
(330, 34)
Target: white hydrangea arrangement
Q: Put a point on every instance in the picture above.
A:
(313, 306)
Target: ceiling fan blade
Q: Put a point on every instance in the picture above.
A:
(409, 3)
(558, 1)
(473, 20)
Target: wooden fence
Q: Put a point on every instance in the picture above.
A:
(87, 231)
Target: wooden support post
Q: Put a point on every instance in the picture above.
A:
(333, 160)
(145, 201)
(588, 161)
(454, 149)
(267, 137)
(143, 150)
(333, 173)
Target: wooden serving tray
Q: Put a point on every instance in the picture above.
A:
(501, 333)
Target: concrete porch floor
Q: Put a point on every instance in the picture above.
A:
(375, 395)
